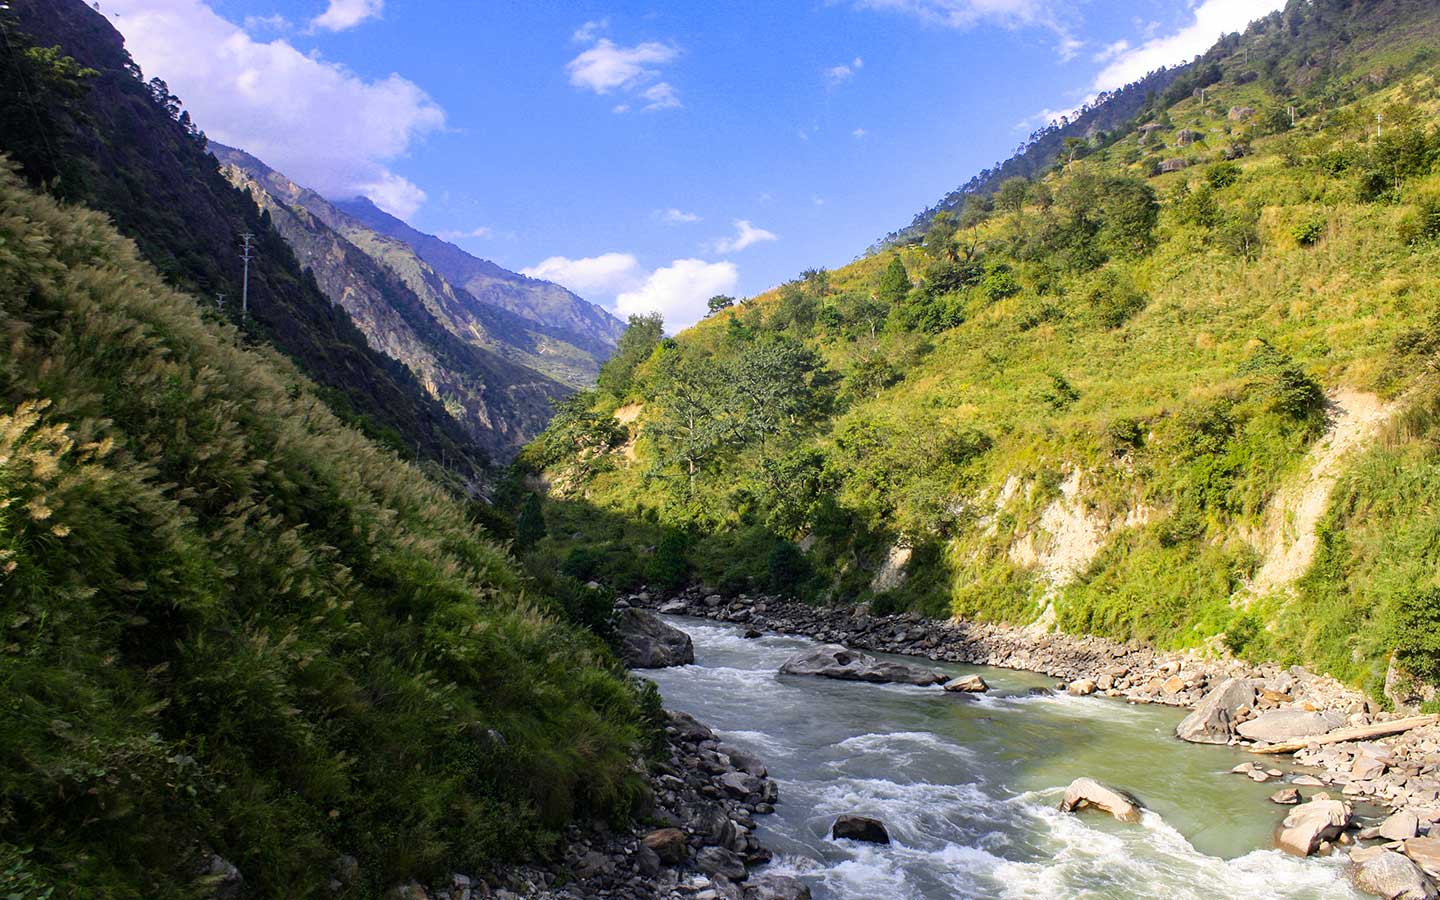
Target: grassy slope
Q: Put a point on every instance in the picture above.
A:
(1335, 308)
(232, 623)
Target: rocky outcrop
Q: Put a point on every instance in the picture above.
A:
(1213, 720)
(1312, 824)
(1087, 793)
(777, 887)
(860, 828)
(648, 643)
(835, 661)
(1388, 874)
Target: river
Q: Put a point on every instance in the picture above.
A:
(968, 787)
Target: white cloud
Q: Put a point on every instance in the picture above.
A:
(609, 273)
(1110, 51)
(484, 231)
(588, 32)
(837, 75)
(343, 14)
(314, 120)
(660, 96)
(859, 133)
(1212, 18)
(274, 22)
(607, 66)
(679, 291)
(746, 235)
(675, 216)
(967, 13)
(1068, 47)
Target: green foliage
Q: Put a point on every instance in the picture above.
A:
(1058, 393)
(530, 524)
(718, 303)
(894, 283)
(1416, 636)
(1221, 175)
(788, 569)
(1422, 223)
(999, 282)
(1308, 232)
(642, 335)
(669, 568)
(1112, 299)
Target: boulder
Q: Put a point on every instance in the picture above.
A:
(1087, 793)
(777, 887)
(740, 784)
(1401, 826)
(668, 844)
(1213, 720)
(1082, 687)
(221, 878)
(1280, 725)
(967, 684)
(1286, 796)
(648, 643)
(1425, 853)
(860, 828)
(1388, 874)
(1310, 823)
(719, 861)
(835, 661)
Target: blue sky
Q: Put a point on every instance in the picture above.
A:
(650, 154)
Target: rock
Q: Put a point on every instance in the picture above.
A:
(967, 684)
(1279, 725)
(1083, 687)
(647, 861)
(648, 643)
(719, 861)
(777, 887)
(1086, 793)
(740, 784)
(1307, 781)
(221, 878)
(860, 828)
(1286, 796)
(1392, 876)
(1310, 824)
(1401, 826)
(1213, 720)
(668, 844)
(1425, 853)
(744, 761)
(835, 661)
(751, 634)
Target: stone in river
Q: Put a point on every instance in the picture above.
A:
(648, 643)
(1087, 793)
(1286, 796)
(860, 828)
(719, 861)
(1400, 826)
(1425, 852)
(1279, 725)
(777, 887)
(1310, 824)
(968, 684)
(1388, 874)
(1083, 687)
(835, 661)
(1213, 720)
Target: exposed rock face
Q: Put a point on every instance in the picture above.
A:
(1288, 725)
(967, 684)
(860, 828)
(1213, 721)
(1392, 876)
(1087, 793)
(835, 661)
(1425, 852)
(648, 643)
(1309, 824)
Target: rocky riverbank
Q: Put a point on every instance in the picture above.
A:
(695, 841)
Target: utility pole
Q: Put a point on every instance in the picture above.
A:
(220, 301)
(246, 255)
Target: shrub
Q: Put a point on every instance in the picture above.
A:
(669, 568)
(530, 524)
(1422, 222)
(1308, 232)
(1416, 618)
(1222, 174)
(788, 569)
(999, 283)
(1059, 394)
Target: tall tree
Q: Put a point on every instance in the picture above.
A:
(640, 339)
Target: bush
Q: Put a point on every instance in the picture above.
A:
(1309, 232)
(1416, 627)
(999, 283)
(1422, 222)
(669, 568)
(1222, 174)
(789, 570)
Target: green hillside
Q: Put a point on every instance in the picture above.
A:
(234, 626)
(1181, 388)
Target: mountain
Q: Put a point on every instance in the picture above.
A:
(564, 315)
(482, 363)
(1183, 388)
(83, 121)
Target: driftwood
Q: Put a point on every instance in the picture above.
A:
(1357, 733)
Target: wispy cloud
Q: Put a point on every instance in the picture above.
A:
(838, 75)
(341, 15)
(608, 273)
(859, 133)
(589, 31)
(673, 216)
(746, 235)
(275, 22)
(1053, 15)
(484, 231)
(661, 95)
(1210, 20)
(608, 68)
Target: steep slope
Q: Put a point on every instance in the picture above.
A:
(124, 147)
(502, 403)
(562, 314)
(1180, 389)
(234, 627)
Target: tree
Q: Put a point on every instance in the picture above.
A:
(894, 283)
(640, 339)
(1012, 194)
(717, 303)
(530, 524)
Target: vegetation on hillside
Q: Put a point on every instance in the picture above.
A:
(233, 625)
(1078, 398)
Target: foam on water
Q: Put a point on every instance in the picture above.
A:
(901, 747)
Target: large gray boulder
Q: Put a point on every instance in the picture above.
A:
(1392, 876)
(1280, 725)
(1310, 824)
(648, 643)
(776, 887)
(860, 828)
(1212, 721)
(1087, 793)
(835, 661)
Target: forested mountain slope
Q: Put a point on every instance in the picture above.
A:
(1182, 388)
(234, 626)
(487, 382)
(82, 120)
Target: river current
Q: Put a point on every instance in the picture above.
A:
(968, 787)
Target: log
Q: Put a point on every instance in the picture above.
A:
(1356, 733)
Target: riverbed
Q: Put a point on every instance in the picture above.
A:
(968, 786)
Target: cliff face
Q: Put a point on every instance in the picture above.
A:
(411, 314)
